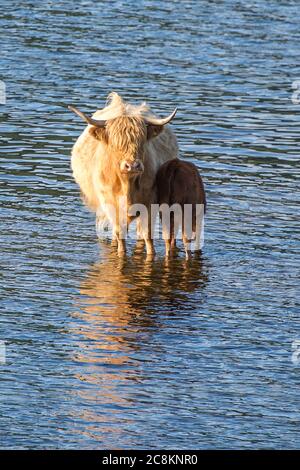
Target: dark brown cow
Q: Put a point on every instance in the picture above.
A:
(179, 184)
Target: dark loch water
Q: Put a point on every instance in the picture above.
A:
(110, 353)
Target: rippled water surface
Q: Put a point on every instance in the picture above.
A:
(109, 353)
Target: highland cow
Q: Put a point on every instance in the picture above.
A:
(115, 161)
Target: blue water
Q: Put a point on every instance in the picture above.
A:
(109, 353)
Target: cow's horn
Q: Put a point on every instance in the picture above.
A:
(160, 122)
(89, 120)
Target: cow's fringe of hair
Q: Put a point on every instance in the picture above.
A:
(127, 134)
(125, 127)
(116, 107)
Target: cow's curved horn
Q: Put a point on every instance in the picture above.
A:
(89, 120)
(160, 122)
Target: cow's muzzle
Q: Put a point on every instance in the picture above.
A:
(132, 167)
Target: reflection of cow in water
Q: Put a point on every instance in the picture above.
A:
(122, 290)
(122, 305)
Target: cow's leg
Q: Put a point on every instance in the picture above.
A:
(139, 233)
(168, 235)
(114, 240)
(199, 227)
(146, 227)
(148, 239)
(120, 237)
(121, 247)
(187, 246)
(174, 228)
(111, 217)
(168, 247)
(150, 247)
(121, 244)
(121, 224)
(186, 238)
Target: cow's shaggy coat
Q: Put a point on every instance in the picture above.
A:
(120, 159)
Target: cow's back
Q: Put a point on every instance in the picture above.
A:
(179, 182)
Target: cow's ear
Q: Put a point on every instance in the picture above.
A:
(153, 130)
(99, 133)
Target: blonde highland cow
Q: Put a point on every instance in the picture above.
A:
(115, 161)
